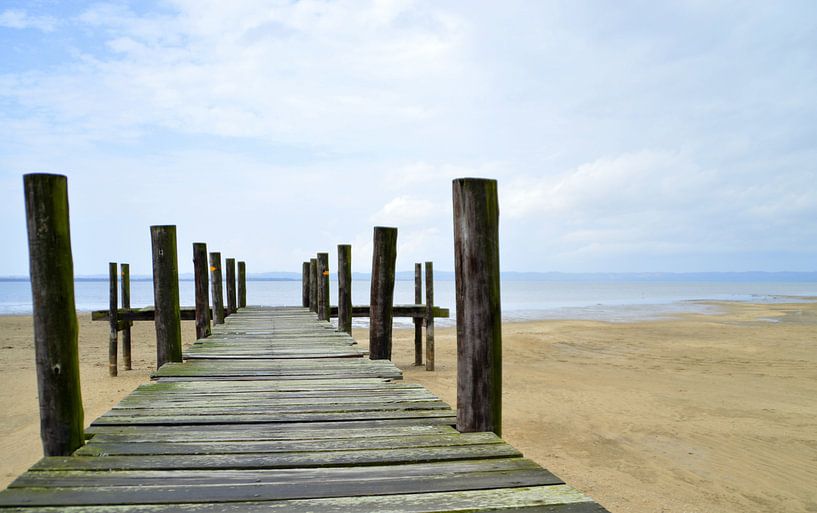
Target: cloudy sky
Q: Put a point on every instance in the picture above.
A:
(626, 136)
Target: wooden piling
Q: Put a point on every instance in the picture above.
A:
(231, 295)
(313, 284)
(479, 328)
(418, 323)
(216, 288)
(323, 286)
(124, 285)
(202, 285)
(305, 285)
(113, 309)
(345, 288)
(51, 269)
(166, 295)
(242, 285)
(429, 319)
(384, 258)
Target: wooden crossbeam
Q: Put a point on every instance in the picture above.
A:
(188, 313)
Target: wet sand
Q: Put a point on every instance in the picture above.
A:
(696, 414)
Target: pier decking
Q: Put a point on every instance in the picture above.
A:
(277, 411)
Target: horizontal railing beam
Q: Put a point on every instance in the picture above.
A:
(188, 313)
(416, 311)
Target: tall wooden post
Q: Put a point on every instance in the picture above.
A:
(479, 328)
(231, 295)
(113, 317)
(305, 285)
(51, 268)
(124, 270)
(323, 287)
(384, 258)
(345, 288)
(313, 284)
(202, 285)
(242, 285)
(429, 320)
(166, 295)
(215, 287)
(418, 321)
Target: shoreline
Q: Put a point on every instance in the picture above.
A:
(697, 414)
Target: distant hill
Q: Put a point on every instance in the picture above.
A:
(752, 276)
(745, 277)
(785, 276)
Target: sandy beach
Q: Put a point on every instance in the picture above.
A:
(695, 414)
(20, 421)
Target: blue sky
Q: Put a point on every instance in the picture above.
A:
(626, 136)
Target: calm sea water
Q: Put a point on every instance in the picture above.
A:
(521, 300)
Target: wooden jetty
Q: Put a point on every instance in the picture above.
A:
(272, 408)
(277, 411)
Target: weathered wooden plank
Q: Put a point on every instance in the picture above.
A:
(533, 499)
(254, 346)
(228, 492)
(272, 354)
(80, 478)
(269, 409)
(148, 401)
(294, 384)
(289, 431)
(271, 399)
(314, 367)
(237, 333)
(287, 351)
(318, 396)
(184, 448)
(260, 377)
(223, 402)
(283, 388)
(167, 420)
(270, 431)
(279, 460)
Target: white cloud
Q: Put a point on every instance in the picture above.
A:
(338, 74)
(405, 211)
(657, 202)
(676, 129)
(18, 19)
(419, 175)
(648, 179)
